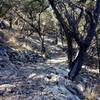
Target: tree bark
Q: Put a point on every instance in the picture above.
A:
(43, 50)
(77, 64)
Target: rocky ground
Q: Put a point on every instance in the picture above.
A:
(28, 76)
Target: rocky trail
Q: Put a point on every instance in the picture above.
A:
(28, 76)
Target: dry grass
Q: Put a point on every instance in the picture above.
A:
(92, 94)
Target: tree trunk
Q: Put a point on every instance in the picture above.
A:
(42, 47)
(70, 50)
(10, 22)
(77, 64)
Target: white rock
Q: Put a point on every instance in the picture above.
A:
(81, 87)
(53, 78)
